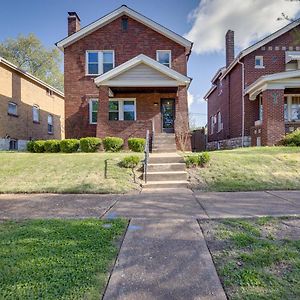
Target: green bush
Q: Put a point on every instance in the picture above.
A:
(136, 144)
(113, 144)
(90, 144)
(39, 146)
(52, 146)
(69, 145)
(292, 139)
(30, 145)
(203, 159)
(131, 161)
(191, 161)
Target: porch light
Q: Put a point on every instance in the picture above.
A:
(155, 103)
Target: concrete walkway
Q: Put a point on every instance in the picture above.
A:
(164, 254)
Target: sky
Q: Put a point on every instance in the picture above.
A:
(204, 22)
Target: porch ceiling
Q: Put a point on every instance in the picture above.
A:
(144, 90)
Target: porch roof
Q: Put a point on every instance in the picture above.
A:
(282, 80)
(142, 71)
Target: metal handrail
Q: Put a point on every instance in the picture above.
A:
(146, 152)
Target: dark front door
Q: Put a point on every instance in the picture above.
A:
(167, 115)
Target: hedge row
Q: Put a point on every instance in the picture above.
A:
(88, 144)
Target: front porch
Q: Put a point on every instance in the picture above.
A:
(141, 95)
(278, 100)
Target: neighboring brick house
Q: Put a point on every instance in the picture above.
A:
(124, 74)
(255, 99)
(29, 108)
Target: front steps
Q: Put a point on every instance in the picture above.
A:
(166, 169)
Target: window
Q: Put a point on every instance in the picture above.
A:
(220, 124)
(261, 109)
(122, 110)
(164, 57)
(12, 109)
(259, 62)
(50, 124)
(292, 108)
(124, 23)
(99, 62)
(36, 114)
(49, 92)
(93, 108)
(211, 125)
(220, 87)
(13, 144)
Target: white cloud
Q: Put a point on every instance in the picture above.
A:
(191, 98)
(250, 19)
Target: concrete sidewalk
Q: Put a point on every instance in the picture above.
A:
(164, 259)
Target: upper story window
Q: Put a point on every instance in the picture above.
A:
(49, 92)
(35, 114)
(259, 62)
(292, 60)
(122, 110)
(99, 62)
(93, 110)
(164, 57)
(12, 109)
(124, 23)
(50, 124)
(220, 87)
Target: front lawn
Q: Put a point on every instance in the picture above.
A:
(57, 259)
(256, 259)
(249, 169)
(63, 173)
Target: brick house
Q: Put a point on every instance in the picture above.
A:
(29, 108)
(124, 74)
(255, 99)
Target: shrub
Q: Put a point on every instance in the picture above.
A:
(136, 144)
(191, 161)
(203, 159)
(52, 146)
(69, 145)
(113, 144)
(90, 144)
(39, 146)
(131, 161)
(30, 145)
(292, 139)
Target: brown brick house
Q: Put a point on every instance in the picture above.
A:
(29, 108)
(124, 74)
(255, 99)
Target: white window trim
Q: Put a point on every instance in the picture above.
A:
(39, 116)
(91, 110)
(100, 61)
(121, 108)
(50, 132)
(289, 107)
(170, 56)
(261, 58)
(15, 105)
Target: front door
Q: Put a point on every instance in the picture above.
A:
(167, 115)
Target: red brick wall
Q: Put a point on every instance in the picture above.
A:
(230, 102)
(139, 39)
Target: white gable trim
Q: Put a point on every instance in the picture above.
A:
(107, 78)
(261, 43)
(209, 92)
(123, 10)
(281, 80)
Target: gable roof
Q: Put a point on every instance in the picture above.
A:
(261, 43)
(175, 77)
(123, 10)
(30, 76)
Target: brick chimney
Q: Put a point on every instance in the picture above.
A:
(73, 22)
(229, 38)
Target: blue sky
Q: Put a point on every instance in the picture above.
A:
(205, 23)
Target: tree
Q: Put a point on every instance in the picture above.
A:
(28, 53)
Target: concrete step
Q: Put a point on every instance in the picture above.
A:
(161, 149)
(166, 176)
(166, 184)
(157, 158)
(166, 167)
(164, 143)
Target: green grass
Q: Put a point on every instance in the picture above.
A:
(63, 173)
(57, 259)
(256, 259)
(249, 169)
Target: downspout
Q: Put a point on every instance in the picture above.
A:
(243, 101)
